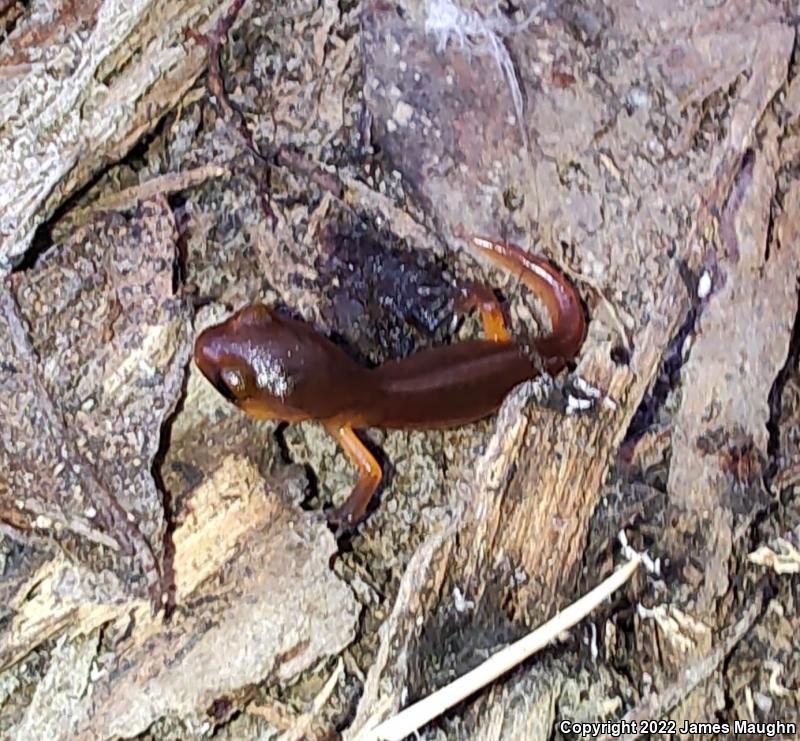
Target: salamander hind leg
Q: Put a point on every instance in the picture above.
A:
(554, 289)
(352, 510)
(477, 296)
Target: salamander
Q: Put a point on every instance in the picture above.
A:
(277, 368)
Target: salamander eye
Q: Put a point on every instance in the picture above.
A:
(231, 384)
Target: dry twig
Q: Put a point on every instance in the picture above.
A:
(422, 712)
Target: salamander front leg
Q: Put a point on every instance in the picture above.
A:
(477, 296)
(369, 476)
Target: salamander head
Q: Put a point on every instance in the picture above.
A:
(248, 359)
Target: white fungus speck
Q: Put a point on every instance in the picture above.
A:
(402, 113)
(704, 285)
(460, 602)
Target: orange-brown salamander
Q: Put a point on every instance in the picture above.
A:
(273, 367)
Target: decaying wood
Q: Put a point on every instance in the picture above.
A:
(255, 624)
(658, 703)
(88, 383)
(81, 84)
(655, 161)
(537, 523)
(411, 719)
